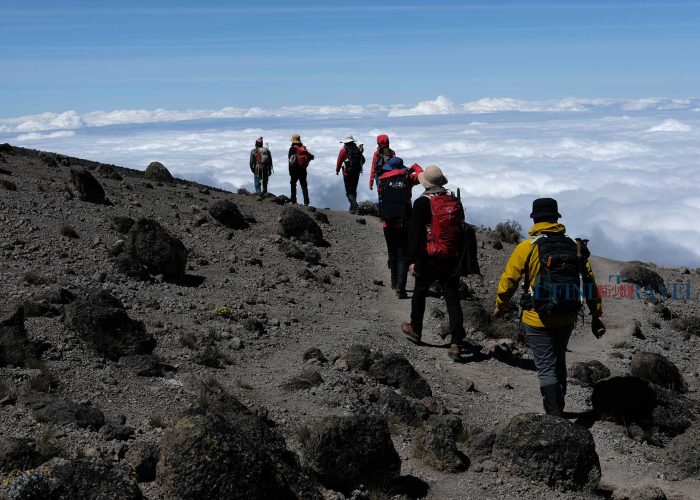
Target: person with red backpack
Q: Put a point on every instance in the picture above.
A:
(350, 161)
(435, 244)
(299, 158)
(260, 165)
(394, 188)
(381, 157)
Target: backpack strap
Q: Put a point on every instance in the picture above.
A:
(526, 283)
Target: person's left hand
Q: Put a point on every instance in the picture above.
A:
(412, 270)
(497, 313)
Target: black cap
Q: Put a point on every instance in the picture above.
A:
(545, 208)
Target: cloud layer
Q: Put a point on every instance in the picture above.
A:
(625, 172)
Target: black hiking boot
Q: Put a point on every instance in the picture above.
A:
(552, 400)
(401, 294)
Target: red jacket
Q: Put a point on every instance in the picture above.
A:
(389, 152)
(411, 174)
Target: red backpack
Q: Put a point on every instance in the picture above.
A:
(303, 156)
(445, 229)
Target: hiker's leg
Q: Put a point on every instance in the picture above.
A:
(265, 177)
(449, 281)
(541, 342)
(390, 238)
(354, 180)
(347, 181)
(256, 180)
(420, 292)
(293, 182)
(561, 341)
(304, 187)
(401, 257)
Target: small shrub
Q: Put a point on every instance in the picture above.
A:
(189, 340)
(509, 231)
(46, 444)
(156, 421)
(223, 311)
(368, 208)
(244, 385)
(69, 231)
(33, 278)
(44, 381)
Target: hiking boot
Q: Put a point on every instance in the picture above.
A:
(455, 353)
(401, 294)
(410, 334)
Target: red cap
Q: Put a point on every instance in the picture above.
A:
(383, 140)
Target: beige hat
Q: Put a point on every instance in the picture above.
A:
(296, 138)
(431, 177)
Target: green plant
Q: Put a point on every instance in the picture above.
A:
(223, 312)
(244, 385)
(509, 231)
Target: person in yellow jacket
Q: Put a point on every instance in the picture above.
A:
(548, 323)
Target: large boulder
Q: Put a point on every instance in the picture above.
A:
(644, 276)
(85, 186)
(345, 452)
(683, 454)
(588, 373)
(18, 454)
(157, 250)
(15, 347)
(396, 371)
(101, 321)
(108, 172)
(64, 412)
(77, 479)
(143, 457)
(629, 400)
(435, 443)
(401, 410)
(549, 449)
(156, 171)
(657, 369)
(295, 223)
(228, 454)
(228, 214)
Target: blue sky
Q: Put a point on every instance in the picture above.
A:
(85, 56)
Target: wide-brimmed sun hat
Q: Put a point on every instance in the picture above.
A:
(348, 138)
(432, 177)
(295, 138)
(545, 208)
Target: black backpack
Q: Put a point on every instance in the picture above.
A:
(557, 288)
(393, 199)
(383, 157)
(353, 158)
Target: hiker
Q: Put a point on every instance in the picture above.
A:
(556, 271)
(299, 159)
(394, 189)
(260, 165)
(381, 157)
(350, 160)
(434, 249)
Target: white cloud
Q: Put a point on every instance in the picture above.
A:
(37, 136)
(670, 125)
(631, 191)
(440, 106)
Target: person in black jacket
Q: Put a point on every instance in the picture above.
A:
(350, 161)
(297, 170)
(427, 268)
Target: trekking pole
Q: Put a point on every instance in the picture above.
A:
(579, 258)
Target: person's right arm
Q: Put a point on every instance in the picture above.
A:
(341, 159)
(252, 160)
(508, 284)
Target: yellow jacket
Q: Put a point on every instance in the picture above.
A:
(515, 268)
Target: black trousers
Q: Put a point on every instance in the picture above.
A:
(351, 179)
(446, 273)
(298, 174)
(396, 236)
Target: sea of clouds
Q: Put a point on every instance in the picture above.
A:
(626, 172)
